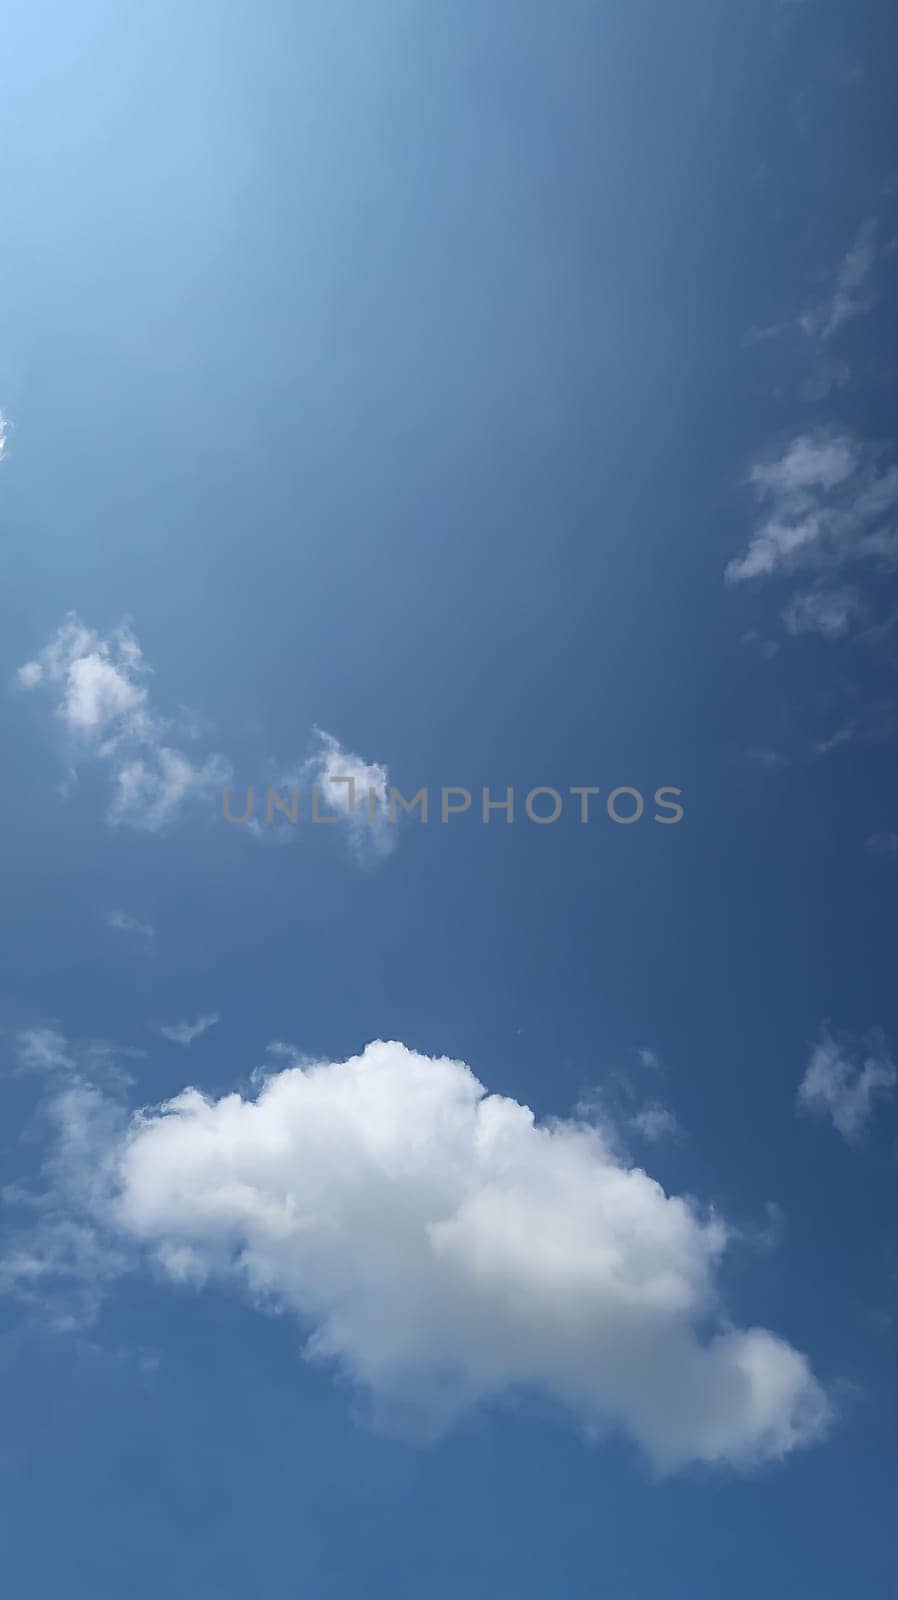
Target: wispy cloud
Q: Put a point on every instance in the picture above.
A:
(769, 1235)
(619, 1107)
(59, 1267)
(125, 923)
(42, 1049)
(765, 756)
(353, 793)
(56, 1260)
(852, 295)
(4, 434)
(100, 685)
(884, 845)
(846, 733)
(184, 1033)
(103, 706)
(828, 505)
(793, 490)
(829, 612)
(873, 723)
(654, 1123)
(843, 1081)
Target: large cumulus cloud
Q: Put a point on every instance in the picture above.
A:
(443, 1249)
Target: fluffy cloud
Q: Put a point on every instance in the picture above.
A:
(843, 1083)
(99, 680)
(184, 1033)
(443, 1249)
(102, 703)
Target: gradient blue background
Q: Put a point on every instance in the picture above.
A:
(387, 364)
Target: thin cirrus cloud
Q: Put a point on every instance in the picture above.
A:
(844, 1081)
(827, 500)
(852, 294)
(99, 685)
(829, 612)
(184, 1033)
(884, 845)
(440, 1248)
(59, 1263)
(42, 1049)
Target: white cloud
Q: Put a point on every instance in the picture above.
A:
(443, 1249)
(769, 1236)
(843, 1082)
(184, 1033)
(152, 790)
(42, 1049)
(829, 612)
(99, 683)
(60, 1267)
(654, 1123)
(846, 734)
(851, 296)
(125, 923)
(874, 723)
(793, 487)
(765, 756)
(811, 461)
(4, 434)
(104, 708)
(352, 791)
(60, 1262)
(827, 503)
(282, 1050)
(99, 679)
(357, 791)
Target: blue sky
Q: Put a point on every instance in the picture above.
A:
(450, 396)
